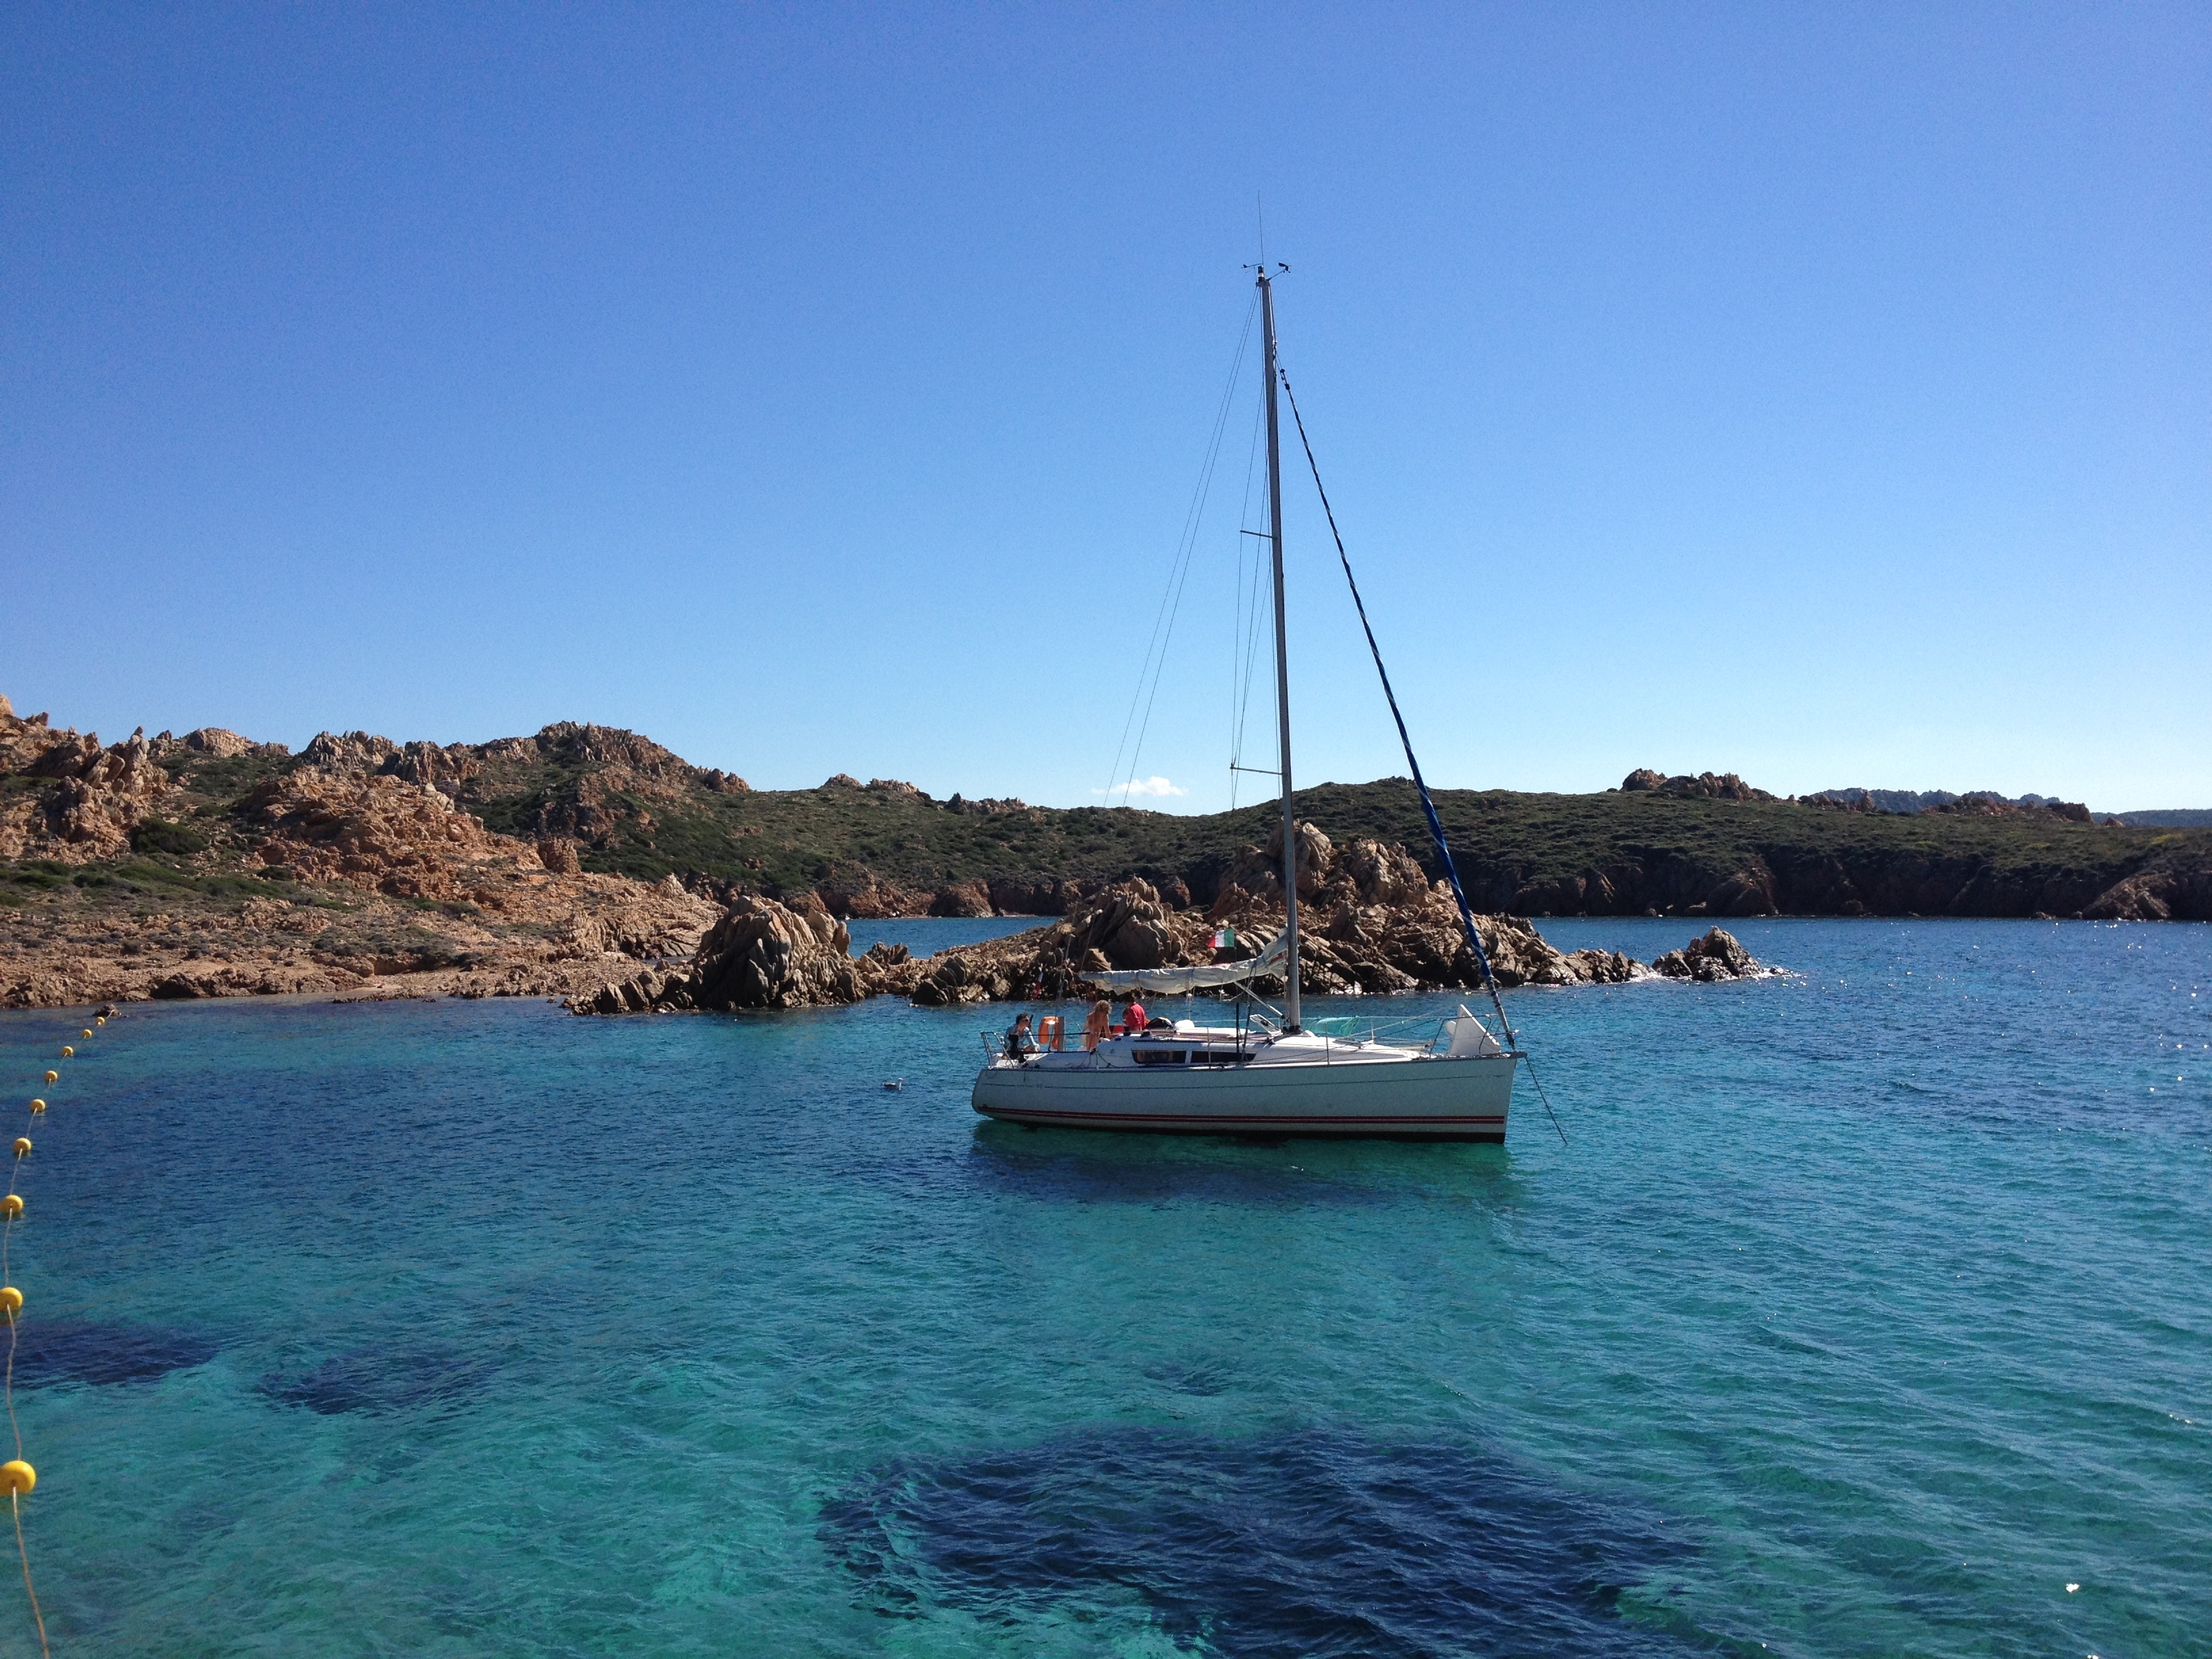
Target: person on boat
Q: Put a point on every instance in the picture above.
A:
(1019, 1044)
(1098, 1024)
(1133, 1017)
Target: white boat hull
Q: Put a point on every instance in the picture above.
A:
(1428, 1098)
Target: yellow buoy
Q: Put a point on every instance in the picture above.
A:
(12, 1205)
(38, 1106)
(102, 1020)
(22, 1146)
(86, 1032)
(11, 1298)
(68, 1053)
(53, 1077)
(18, 1476)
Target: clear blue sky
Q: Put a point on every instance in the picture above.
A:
(1821, 393)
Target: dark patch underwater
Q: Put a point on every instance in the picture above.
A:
(1319, 1542)
(377, 1379)
(50, 1351)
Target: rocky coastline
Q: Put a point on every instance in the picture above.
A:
(585, 859)
(361, 880)
(1372, 924)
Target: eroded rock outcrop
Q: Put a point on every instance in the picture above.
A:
(1704, 786)
(761, 954)
(1373, 924)
(84, 799)
(2165, 892)
(374, 831)
(1987, 806)
(1716, 957)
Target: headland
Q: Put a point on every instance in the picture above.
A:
(574, 860)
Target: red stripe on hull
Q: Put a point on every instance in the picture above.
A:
(1486, 1129)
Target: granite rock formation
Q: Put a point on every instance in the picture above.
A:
(380, 833)
(1372, 924)
(1705, 786)
(762, 954)
(1716, 957)
(82, 799)
(349, 871)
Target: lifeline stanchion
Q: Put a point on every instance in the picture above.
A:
(17, 1474)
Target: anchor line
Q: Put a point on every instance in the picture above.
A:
(1545, 1098)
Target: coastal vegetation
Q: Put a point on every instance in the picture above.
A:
(624, 805)
(209, 864)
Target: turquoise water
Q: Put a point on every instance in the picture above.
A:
(1862, 1313)
(927, 935)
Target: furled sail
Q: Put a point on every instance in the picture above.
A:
(1168, 981)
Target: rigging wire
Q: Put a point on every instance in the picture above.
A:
(1428, 805)
(1156, 650)
(1244, 629)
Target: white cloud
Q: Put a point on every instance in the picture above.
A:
(1159, 786)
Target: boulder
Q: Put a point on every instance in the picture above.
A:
(353, 751)
(1260, 870)
(559, 854)
(1606, 967)
(1382, 875)
(766, 955)
(219, 743)
(985, 809)
(1717, 955)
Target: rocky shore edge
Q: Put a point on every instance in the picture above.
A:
(1372, 924)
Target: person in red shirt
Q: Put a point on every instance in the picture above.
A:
(1133, 1017)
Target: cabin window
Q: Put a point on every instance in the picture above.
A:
(1163, 1056)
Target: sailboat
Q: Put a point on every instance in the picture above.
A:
(1267, 1074)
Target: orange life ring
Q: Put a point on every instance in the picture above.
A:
(1051, 1030)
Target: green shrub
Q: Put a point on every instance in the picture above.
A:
(177, 840)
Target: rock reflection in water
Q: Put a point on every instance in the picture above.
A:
(1089, 1167)
(1318, 1542)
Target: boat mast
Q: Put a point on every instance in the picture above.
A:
(1282, 660)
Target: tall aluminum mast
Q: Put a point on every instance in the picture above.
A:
(1282, 657)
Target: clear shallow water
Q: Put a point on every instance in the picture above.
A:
(1863, 1313)
(927, 935)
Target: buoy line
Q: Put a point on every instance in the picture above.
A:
(17, 1474)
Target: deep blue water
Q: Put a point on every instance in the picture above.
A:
(1864, 1312)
